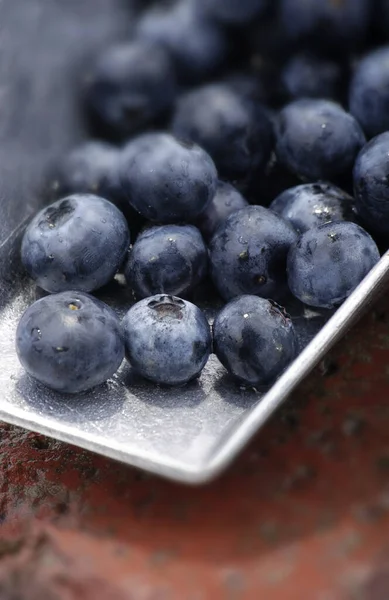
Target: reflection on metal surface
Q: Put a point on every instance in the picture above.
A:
(189, 434)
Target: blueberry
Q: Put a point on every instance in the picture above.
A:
(92, 168)
(317, 139)
(236, 132)
(170, 259)
(197, 46)
(233, 12)
(166, 179)
(70, 342)
(248, 253)
(314, 204)
(329, 25)
(369, 92)
(77, 243)
(226, 201)
(167, 339)
(254, 339)
(132, 85)
(329, 262)
(308, 76)
(371, 184)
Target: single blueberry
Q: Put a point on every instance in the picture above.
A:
(170, 259)
(165, 179)
(317, 139)
(369, 92)
(232, 12)
(308, 76)
(254, 339)
(314, 204)
(248, 253)
(329, 262)
(197, 46)
(371, 184)
(236, 132)
(167, 339)
(132, 85)
(70, 342)
(77, 243)
(326, 25)
(226, 201)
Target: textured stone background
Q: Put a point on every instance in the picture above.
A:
(303, 514)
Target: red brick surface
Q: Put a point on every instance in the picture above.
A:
(302, 515)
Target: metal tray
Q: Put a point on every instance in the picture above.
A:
(188, 434)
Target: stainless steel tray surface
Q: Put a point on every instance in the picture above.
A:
(189, 434)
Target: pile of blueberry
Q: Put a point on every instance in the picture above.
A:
(242, 142)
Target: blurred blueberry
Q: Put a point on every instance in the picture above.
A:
(92, 168)
(308, 76)
(369, 92)
(326, 25)
(236, 132)
(131, 86)
(317, 139)
(197, 46)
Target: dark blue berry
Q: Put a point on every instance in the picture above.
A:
(248, 253)
(369, 92)
(170, 259)
(77, 243)
(197, 46)
(329, 25)
(226, 201)
(166, 179)
(167, 339)
(236, 132)
(371, 184)
(254, 339)
(308, 76)
(132, 86)
(92, 168)
(317, 139)
(314, 204)
(329, 262)
(70, 342)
